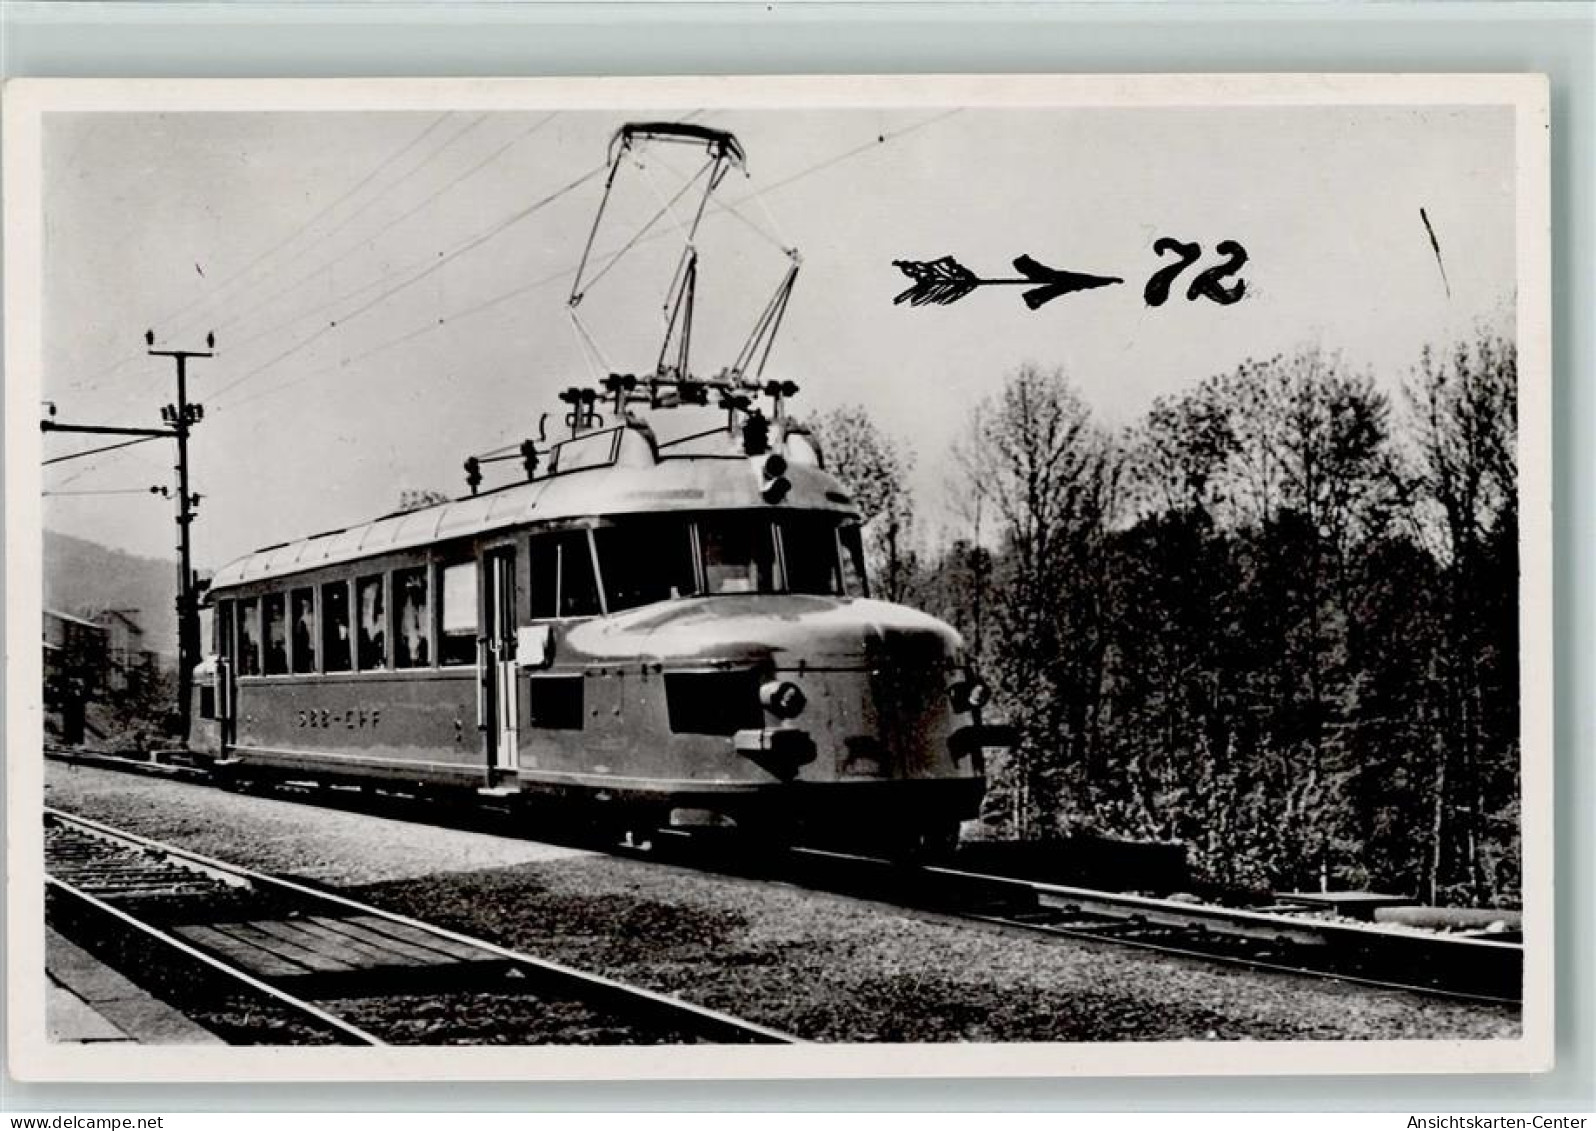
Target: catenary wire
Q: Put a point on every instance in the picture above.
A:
(390, 225)
(182, 312)
(565, 272)
(299, 281)
(414, 278)
(102, 450)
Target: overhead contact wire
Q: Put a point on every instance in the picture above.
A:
(182, 312)
(367, 240)
(566, 272)
(416, 277)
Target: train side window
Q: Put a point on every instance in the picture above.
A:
(335, 649)
(412, 636)
(302, 628)
(373, 651)
(274, 608)
(457, 599)
(248, 637)
(223, 627)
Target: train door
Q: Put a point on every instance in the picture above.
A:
(224, 690)
(497, 662)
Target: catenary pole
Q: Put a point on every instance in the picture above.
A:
(180, 419)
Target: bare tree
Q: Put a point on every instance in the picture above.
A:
(1464, 414)
(1048, 474)
(876, 470)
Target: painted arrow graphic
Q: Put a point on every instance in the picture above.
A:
(942, 282)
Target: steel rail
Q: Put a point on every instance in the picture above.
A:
(700, 1018)
(298, 1005)
(1319, 934)
(1238, 921)
(1327, 937)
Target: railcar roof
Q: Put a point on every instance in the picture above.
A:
(680, 483)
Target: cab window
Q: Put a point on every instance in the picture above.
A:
(853, 567)
(563, 584)
(809, 554)
(645, 560)
(739, 554)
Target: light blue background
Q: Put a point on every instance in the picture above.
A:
(507, 38)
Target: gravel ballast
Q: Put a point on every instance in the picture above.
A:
(821, 966)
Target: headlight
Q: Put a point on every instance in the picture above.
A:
(782, 698)
(970, 695)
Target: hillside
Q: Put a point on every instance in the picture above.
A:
(82, 577)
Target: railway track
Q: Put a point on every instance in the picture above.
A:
(1462, 968)
(1449, 966)
(323, 968)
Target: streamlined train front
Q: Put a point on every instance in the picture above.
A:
(741, 673)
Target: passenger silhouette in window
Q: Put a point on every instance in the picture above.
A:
(373, 650)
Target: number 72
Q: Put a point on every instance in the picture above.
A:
(1206, 285)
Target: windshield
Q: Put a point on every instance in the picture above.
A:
(646, 560)
(739, 554)
(809, 552)
(660, 558)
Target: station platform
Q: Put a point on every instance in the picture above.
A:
(87, 1002)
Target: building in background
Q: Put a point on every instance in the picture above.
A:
(127, 657)
(76, 657)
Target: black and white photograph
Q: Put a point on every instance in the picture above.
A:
(778, 577)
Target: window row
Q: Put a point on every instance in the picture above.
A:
(429, 613)
(426, 616)
(639, 560)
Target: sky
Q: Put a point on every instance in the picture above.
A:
(388, 290)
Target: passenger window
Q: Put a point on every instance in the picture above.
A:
(302, 626)
(411, 639)
(645, 560)
(275, 607)
(248, 638)
(563, 584)
(373, 627)
(223, 627)
(335, 648)
(457, 597)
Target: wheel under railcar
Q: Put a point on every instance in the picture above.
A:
(679, 638)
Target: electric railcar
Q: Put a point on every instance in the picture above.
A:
(674, 638)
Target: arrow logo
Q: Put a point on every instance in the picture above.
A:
(942, 282)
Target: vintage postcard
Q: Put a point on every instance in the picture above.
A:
(778, 577)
